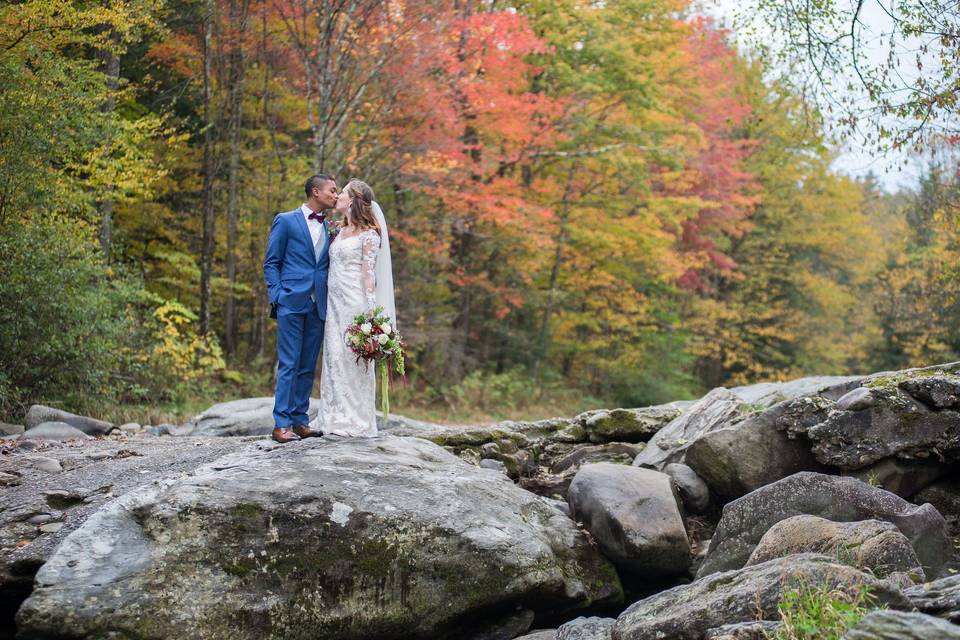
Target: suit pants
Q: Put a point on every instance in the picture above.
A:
(299, 336)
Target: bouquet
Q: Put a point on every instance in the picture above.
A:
(373, 337)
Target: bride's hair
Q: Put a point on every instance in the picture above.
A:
(361, 205)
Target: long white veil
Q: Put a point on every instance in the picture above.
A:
(384, 269)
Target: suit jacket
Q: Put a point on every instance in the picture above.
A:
(291, 269)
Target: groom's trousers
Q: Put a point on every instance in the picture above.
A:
(299, 336)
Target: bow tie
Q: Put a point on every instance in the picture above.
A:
(318, 216)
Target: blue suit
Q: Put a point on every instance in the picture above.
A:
(297, 287)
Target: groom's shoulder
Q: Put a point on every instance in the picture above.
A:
(285, 215)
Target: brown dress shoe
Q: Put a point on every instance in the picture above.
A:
(306, 432)
(284, 435)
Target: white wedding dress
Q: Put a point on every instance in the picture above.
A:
(348, 389)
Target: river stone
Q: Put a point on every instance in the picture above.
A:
(11, 429)
(859, 398)
(617, 452)
(627, 425)
(939, 598)
(582, 628)
(39, 414)
(753, 452)
(836, 498)
(692, 489)
(872, 544)
(539, 634)
(670, 443)
(53, 431)
(686, 612)
(633, 515)
(350, 538)
(754, 630)
(900, 625)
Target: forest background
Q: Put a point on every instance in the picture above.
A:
(591, 204)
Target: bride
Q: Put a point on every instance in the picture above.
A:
(360, 279)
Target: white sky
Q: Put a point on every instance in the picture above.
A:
(894, 170)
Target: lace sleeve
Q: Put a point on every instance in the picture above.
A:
(369, 247)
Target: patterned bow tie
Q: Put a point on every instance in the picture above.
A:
(318, 216)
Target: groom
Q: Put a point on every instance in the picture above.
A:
(295, 269)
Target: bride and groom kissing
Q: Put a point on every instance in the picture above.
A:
(319, 276)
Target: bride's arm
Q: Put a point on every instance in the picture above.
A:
(369, 246)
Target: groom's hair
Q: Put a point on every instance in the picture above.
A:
(315, 181)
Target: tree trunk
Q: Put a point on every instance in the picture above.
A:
(238, 24)
(110, 66)
(209, 242)
(561, 241)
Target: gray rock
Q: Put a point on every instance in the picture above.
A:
(627, 425)
(692, 489)
(130, 428)
(164, 429)
(40, 518)
(940, 392)
(49, 465)
(496, 465)
(582, 628)
(39, 414)
(895, 424)
(755, 630)
(633, 515)
(354, 538)
(898, 625)
(755, 451)
(246, 417)
(767, 394)
(902, 477)
(856, 400)
(939, 598)
(670, 443)
(686, 612)
(11, 429)
(869, 544)
(53, 431)
(616, 452)
(840, 499)
(539, 634)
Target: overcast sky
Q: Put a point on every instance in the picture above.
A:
(854, 158)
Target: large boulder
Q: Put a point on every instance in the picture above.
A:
(767, 394)
(627, 425)
(900, 625)
(54, 431)
(870, 544)
(687, 612)
(886, 420)
(39, 414)
(670, 443)
(39, 510)
(940, 598)
(754, 451)
(634, 517)
(245, 417)
(354, 538)
(841, 499)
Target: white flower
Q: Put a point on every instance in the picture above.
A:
(386, 328)
(366, 327)
(383, 338)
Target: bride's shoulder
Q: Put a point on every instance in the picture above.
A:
(370, 236)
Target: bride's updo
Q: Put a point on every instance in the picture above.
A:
(361, 205)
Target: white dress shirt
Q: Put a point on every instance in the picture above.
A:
(315, 226)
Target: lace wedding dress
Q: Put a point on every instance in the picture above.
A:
(348, 389)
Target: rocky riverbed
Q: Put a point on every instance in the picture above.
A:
(684, 520)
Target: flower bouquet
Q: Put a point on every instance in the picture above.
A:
(372, 337)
